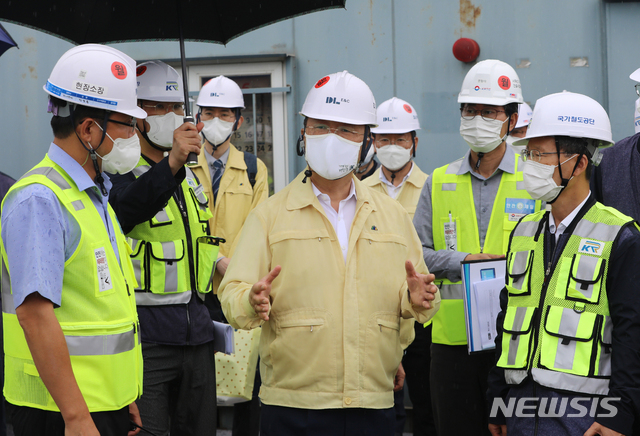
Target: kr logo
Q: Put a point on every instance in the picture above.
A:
(589, 246)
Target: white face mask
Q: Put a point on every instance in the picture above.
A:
(481, 135)
(393, 157)
(124, 155)
(516, 148)
(217, 131)
(161, 128)
(331, 156)
(538, 180)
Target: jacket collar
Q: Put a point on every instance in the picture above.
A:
(301, 194)
(236, 158)
(414, 177)
(507, 164)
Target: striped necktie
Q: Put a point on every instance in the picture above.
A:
(217, 175)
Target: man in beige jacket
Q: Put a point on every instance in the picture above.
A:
(326, 267)
(395, 142)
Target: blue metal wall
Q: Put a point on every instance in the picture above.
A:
(399, 47)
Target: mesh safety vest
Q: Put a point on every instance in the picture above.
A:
(172, 252)
(453, 207)
(98, 313)
(557, 326)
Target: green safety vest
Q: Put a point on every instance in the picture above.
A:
(453, 205)
(172, 252)
(98, 313)
(560, 328)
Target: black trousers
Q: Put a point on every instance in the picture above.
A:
(287, 421)
(459, 389)
(179, 390)
(417, 366)
(35, 422)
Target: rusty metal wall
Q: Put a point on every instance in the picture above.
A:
(399, 47)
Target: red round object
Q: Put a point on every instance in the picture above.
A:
(466, 50)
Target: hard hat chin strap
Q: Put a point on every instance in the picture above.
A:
(99, 180)
(564, 181)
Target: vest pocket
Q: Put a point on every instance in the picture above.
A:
(585, 278)
(201, 204)
(603, 358)
(516, 337)
(519, 273)
(568, 340)
(165, 267)
(207, 248)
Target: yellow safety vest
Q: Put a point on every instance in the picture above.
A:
(172, 252)
(454, 212)
(98, 317)
(557, 324)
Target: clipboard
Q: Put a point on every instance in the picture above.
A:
(482, 282)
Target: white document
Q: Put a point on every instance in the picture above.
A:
(223, 341)
(480, 308)
(487, 296)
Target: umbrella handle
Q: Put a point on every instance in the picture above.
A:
(192, 158)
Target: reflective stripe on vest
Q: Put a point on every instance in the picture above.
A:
(151, 299)
(100, 345)
(7, 296)
(451, 291)
(453, 194)
(567, 344)
(570, 382)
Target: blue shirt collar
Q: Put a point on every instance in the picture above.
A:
(75, 171)
(507, 164)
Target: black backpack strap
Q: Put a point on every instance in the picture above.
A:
(251, 161)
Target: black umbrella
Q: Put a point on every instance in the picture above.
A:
(6, 41)
(109, 21)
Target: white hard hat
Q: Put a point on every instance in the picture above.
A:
(570, 114)
(396, 116)
(158, 81)
(635, 76)
(491, 82)
(524, 115)
(220, 92)
(97, 76)
(341, 97)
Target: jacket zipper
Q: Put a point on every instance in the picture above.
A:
(187, 230)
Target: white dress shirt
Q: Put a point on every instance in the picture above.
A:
(343, 218)
(391, 189)
(566, 221)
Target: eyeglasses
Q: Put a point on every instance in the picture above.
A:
(638, 88)
(166, 107)
(535, 155)
(131, 124)
(342, 131)
(224, 114)
(469, 113)
(402, 142)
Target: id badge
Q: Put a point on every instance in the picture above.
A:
(104, 276)
(450, 236)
